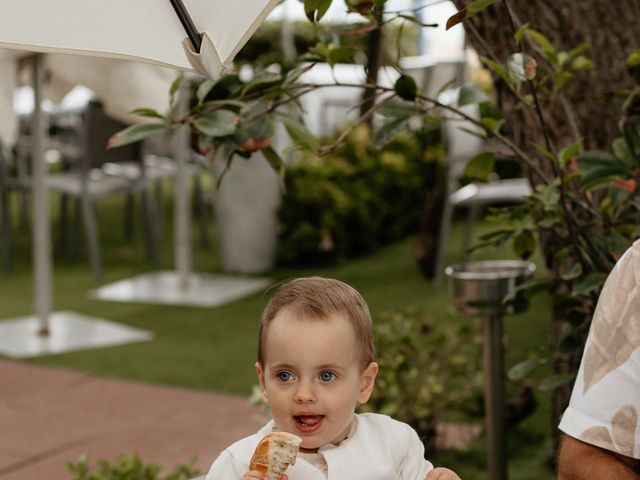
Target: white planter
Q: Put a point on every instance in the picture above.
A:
(246, 205)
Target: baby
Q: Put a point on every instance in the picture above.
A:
(316, 362)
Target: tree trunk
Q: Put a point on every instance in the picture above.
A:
(611, 28)
(586, 112)
(374, 60)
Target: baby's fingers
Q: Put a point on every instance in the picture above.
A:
(254, 475)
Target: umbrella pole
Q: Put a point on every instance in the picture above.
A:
(187, 24)
(182, 211)
(41, 230)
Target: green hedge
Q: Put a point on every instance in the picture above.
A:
(356, 199)
(264, 46)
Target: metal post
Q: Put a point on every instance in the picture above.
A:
(182, 210)
(187, 24)
(41, 225)
(494, 396)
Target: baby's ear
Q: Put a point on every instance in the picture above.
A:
(260, 373)
(367, 382)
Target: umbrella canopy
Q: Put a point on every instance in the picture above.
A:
(144, 30)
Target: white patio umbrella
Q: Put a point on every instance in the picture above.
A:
(192, 35)
(201, 36)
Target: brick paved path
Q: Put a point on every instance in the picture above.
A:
(49, 416)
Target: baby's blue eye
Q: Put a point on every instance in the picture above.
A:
(285, 376)
(327, 376)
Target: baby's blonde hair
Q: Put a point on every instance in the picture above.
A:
(318, 298)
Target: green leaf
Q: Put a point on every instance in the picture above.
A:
(554, 381)
(388, 131)
(520, 33)
(492, 124)
(622, 151)
(276, 163)
(406, 88)
(262, 81)
(396, 107)
(316, 9)
(470, 93)
(572, 274)
(633, 60)
(592, 282)
(480, 166)
(135, 133)
(299, 133)
(599, 167)
(341, 54)
(477, 6)
(581, 63)
(175, 85)
(544, 45)
(147, 112)
(561, 80)
(260, 128)
(219, 123)
(203, 90)
(566, 154)
(498, 69)
(469, 11)
(524, 368)
(524, 244)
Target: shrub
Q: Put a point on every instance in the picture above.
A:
(353, 200)
(424, 372)
(127, 467)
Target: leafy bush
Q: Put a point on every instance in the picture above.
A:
(260, 50)
(424, 371)
(127, 467)
(355, 199)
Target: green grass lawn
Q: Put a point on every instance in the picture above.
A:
(214, 349)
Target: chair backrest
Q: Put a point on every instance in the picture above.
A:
(461, 144)
(98, 128)
(432, 74)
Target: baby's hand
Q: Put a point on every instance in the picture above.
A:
(442, 474)
(256, 475)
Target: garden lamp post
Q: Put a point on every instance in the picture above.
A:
(482, 289)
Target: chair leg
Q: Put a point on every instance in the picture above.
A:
(200, 211)
(64, 224)
(467, 236)
(447, 215)
(129, 207)
(5, 225)
(76, 233)
(91, 229)
(158, 189)
(151, 227)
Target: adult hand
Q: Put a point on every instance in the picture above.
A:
(441, 473)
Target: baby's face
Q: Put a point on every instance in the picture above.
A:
(312, 377)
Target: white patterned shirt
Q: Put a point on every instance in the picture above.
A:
(605, 402)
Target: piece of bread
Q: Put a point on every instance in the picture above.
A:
(275, 452)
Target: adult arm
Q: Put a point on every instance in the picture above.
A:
(580, 461)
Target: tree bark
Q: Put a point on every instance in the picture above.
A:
(611, 28)
(587, 111)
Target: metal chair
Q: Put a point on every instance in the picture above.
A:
(87, 182)
(461, 146)
(432, 74)
(80, 137)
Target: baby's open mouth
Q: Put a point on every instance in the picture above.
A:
(309, 419)
(308, 423)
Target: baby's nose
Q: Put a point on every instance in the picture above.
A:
(305, 393)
